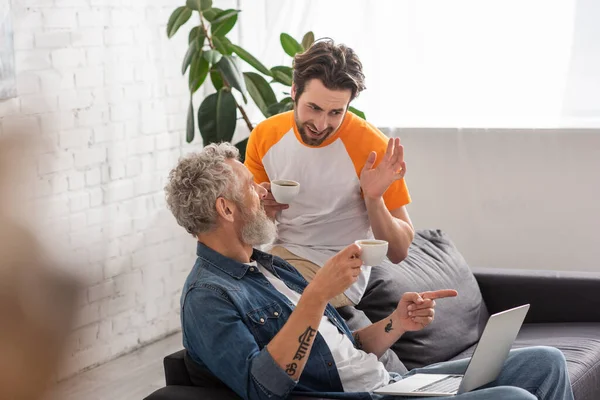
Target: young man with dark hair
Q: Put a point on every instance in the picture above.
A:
(351, 174)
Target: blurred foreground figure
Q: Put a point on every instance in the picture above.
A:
(36, 301)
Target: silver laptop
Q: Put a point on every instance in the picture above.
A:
(488, 359)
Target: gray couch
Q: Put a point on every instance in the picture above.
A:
(564, 313)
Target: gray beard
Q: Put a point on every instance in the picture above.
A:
(258, 229)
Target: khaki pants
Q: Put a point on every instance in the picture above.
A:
(308, 271)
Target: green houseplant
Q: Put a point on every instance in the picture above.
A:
(211, 55)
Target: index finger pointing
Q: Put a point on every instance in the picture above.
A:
(439, 294)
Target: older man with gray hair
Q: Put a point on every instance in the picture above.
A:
(206, 186)
(254, 322)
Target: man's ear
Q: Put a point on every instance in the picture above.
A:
(225, 209)
(293, 93)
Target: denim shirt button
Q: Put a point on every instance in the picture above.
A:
(262, 320)
(329, 364)
(251, 269)
(276, 314)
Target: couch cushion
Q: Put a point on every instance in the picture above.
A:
(579, 342)
(433, 263)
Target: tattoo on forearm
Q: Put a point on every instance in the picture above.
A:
(388, 327)
(359, 344)
(304, 340)
(290, 369)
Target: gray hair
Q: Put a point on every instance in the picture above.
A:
(196, 183)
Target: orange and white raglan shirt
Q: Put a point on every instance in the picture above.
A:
(329, 213)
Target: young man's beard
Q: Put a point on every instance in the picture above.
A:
(258, 229)
(307, 139)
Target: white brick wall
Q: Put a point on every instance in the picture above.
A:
(101, 81)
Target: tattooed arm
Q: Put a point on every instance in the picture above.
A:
(291, 346)
(378, 337)
(414, 312)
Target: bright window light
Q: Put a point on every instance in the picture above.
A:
(459, 63)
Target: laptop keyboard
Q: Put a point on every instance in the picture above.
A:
(448, 385)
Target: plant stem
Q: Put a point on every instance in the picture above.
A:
(212, 46)
(203, 26)
(245, 116)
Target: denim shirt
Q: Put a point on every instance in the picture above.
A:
(230, 312)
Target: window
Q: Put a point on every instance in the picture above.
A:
(459, 63)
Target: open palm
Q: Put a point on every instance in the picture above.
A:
(375, 181)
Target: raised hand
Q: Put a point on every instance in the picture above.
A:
(375, 181)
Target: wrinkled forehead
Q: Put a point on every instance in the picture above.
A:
(240, 171)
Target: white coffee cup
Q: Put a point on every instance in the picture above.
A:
(373, 251)
(285, 190)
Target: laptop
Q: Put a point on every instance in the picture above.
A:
(488, 359)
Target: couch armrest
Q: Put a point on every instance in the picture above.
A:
(192, 393)
(176, 372)
(198, 393)
(555, 296)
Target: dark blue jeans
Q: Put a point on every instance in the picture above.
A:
(530, 373)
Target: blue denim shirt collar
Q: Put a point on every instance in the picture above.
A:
(231, 267)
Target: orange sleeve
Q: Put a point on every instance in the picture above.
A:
(253, 160)
(360, 139)
(397, 195)
(264, 136)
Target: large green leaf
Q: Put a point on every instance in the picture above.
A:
(308, 40)
(198, 72)
(273, 109)
(192, 4)
(250, 59)
(224, 22)
(196, 5)
(260, 91)
(290, 45)
(284, 105)
(200, 39)
(242, 148)
(211, 13)
(222, 44)
(179, 17)
(216, 79)
(217, 117)
(232, 74)
(187, 59)
(205, 4)
(282, 75)
(287, 104)
(224, 15)
(223, 28)
(190, 127)
(197, 37)
(193, 33)
(212, 56)
(357, 112)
